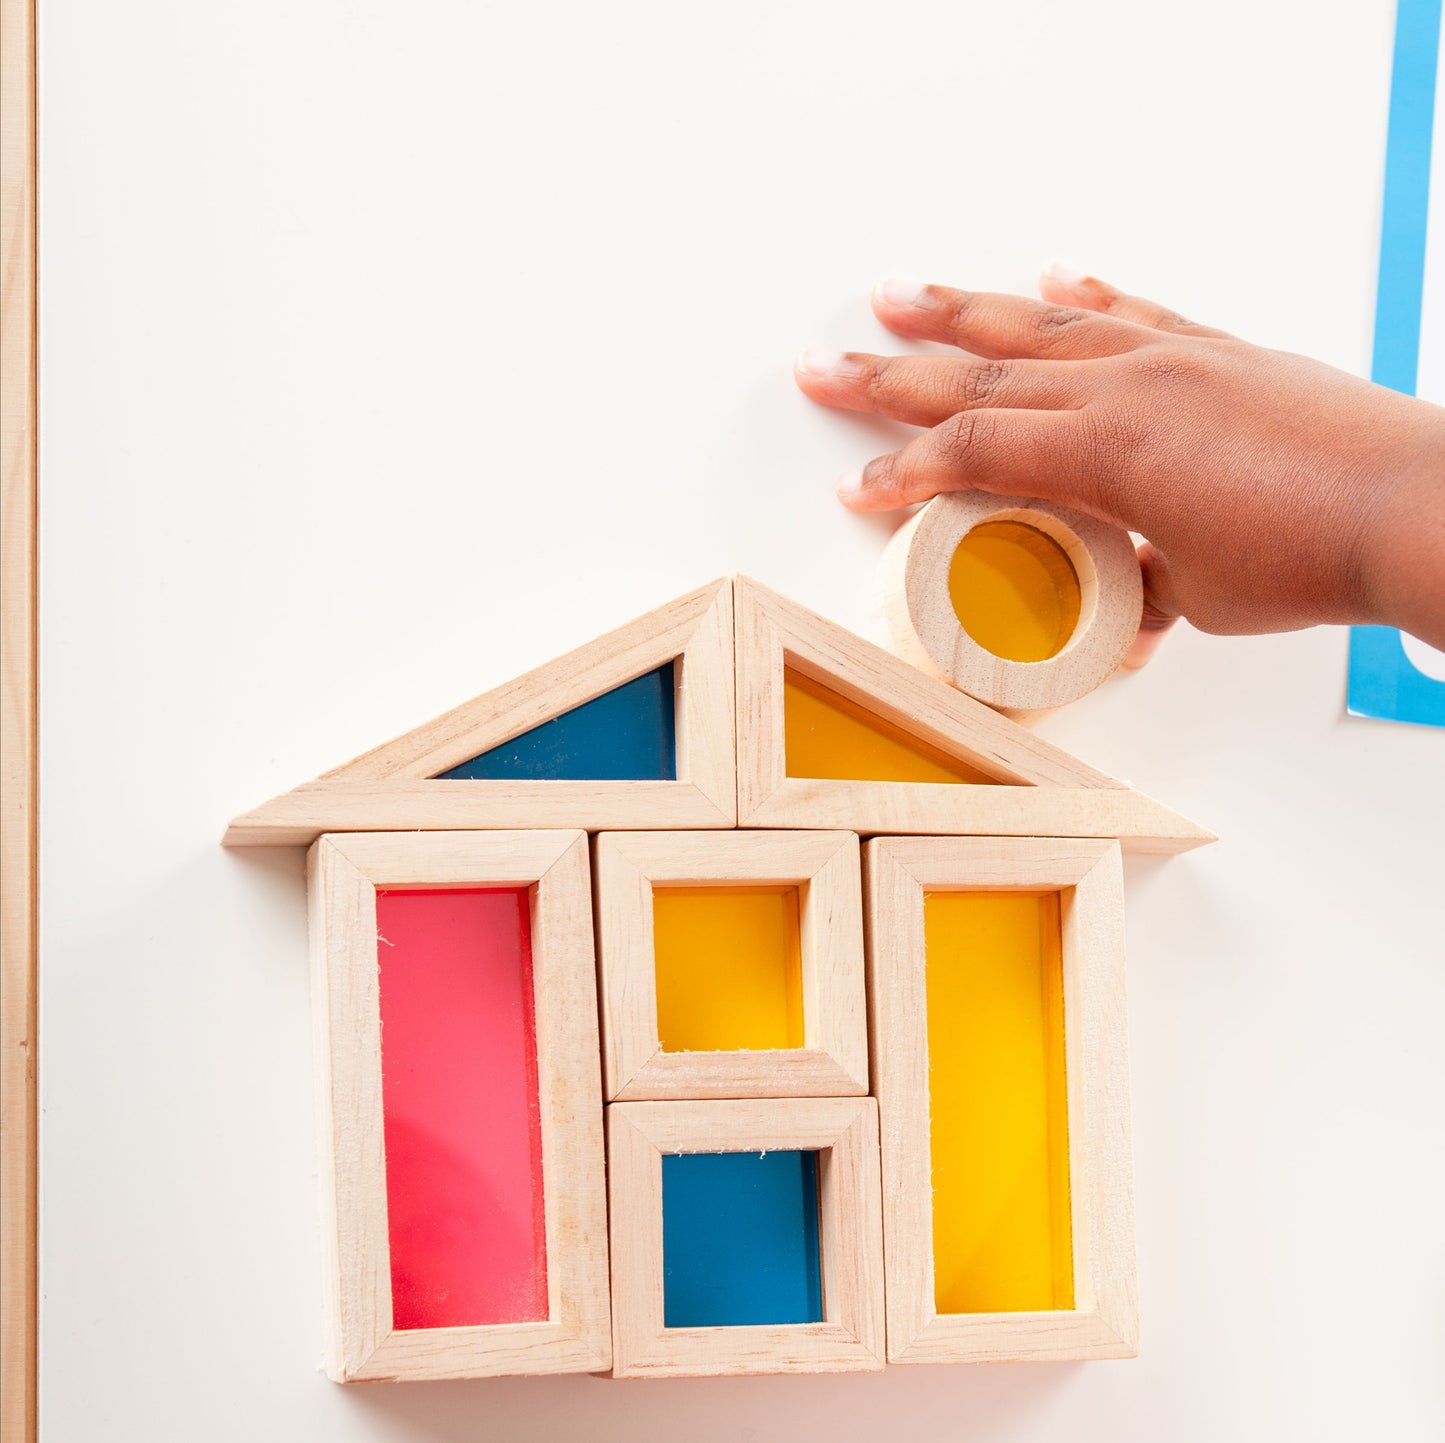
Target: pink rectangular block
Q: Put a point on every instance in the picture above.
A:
(459, 1089)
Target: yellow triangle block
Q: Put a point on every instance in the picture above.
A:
(834, 732)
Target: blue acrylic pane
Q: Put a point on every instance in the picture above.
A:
(627, 734)
(740, 1239)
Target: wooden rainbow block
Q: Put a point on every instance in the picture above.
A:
(460, 1113)
(634, 729)
(832, 733)
(835, 732)
(1001, 1071)
(746, 1237)
(731, 964)
(1021, 603)
(730, 750)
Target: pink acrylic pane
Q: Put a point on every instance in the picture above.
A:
(459, 1089)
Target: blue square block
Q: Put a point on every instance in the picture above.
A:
(740, 1239)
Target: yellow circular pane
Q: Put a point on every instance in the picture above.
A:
(1014, 591)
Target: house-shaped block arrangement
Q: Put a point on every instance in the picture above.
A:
(803, 968)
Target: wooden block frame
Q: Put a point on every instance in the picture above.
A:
(396, 786)
(825, 866)
(844, 1131)
(344, 875)
(925, 629)
(1042, 790)
(1089, 876)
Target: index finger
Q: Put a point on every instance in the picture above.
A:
(1000, 327)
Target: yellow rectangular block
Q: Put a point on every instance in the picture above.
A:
(998, 1102)
(729, 968)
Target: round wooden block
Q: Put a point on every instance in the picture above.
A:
(1089, 565)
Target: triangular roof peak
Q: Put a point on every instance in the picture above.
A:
(636, 731)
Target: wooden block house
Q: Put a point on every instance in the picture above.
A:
(830, 956)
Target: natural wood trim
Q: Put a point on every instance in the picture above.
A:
(19, 961)
(844, 1130)
(493, 859)
(1136, 821)
(682, 1076)
(352, 1163)
(898, 872)
(345, 872)
(392, 787)
(826, 868)
(1044, 791)
(300, 816)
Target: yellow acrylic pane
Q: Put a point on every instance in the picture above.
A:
(826, 735)
(729, 968)
(1014, 591)
(1002, 1240)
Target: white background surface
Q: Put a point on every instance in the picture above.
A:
(390, 349)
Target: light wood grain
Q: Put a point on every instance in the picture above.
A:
(1136, 821)
(825, 867)
(899, 871)
(1047, 791)
(925, 629)
(493, 859)
(346, 1017)
(300, 816)
(391, 787)
(782, 1072)
(845, 1133)
(18, 788)
(344, 875)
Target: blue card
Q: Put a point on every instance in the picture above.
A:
(1393, 676)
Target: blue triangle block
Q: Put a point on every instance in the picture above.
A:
(627, 734)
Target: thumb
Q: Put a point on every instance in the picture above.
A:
(1161, 606)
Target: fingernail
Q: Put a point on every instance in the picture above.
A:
(850, 483)
(1062, 275)
(818, 362)
(901, 292)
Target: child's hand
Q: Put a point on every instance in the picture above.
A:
(1274, 491)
